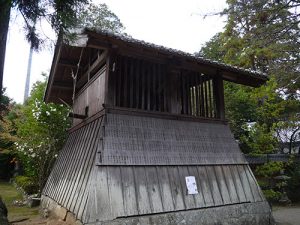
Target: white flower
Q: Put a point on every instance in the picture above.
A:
(33, 155)
(55, 155)
(47, 113)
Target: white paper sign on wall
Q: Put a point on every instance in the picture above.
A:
(191, 185)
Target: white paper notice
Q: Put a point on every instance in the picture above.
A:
(191, 185)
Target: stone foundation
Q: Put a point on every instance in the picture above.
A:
(257, 213)
(52, 209)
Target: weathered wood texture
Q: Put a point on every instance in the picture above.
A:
(92, 96)
(120, 191)
(67, 183)
(142, 84)
(101, 193)
(135, 140)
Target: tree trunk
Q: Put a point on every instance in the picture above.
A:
(4, 22)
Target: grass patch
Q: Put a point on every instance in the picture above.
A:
(9, 193)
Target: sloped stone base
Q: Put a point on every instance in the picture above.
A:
(258, 213)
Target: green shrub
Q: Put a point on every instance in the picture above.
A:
(271, 195)
(27, 184)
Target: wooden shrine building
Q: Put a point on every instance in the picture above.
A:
(149, 142)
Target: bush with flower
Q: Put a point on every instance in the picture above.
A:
(41, 130)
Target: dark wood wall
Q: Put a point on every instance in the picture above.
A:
(145, 85)
(104, 192)
(142, 84)
(91, 97)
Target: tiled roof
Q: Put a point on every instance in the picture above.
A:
(141, 43)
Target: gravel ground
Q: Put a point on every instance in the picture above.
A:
(289, 215)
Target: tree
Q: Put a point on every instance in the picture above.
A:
(249, 41)
(61, 14)
(264, 35)
(41, 129)
(99, 16)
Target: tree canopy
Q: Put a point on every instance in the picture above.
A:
(260, 35)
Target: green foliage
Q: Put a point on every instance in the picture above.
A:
(258, 117)
(258, 140)
(28, 184)
(271, 187)
(61, 14)
(269, 169)
(293, 187)
(263, 35)
(41, 129)
(271, 195)
(99, 16)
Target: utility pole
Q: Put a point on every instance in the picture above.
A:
(27, 83)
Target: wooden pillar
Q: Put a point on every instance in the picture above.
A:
(219, 96)
(173, 94)
(110, 78)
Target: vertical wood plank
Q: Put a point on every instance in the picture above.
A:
(253, 185)
(230, 184)
(129, 191)
(210, 97)
(125, 83)
(238, 183)
(206, 98)
(61, 169)
(154, 91)
(87, 169)
(143, 78)
(222, 185)
(119, 81)
(205, 186)
(245, 183)
(219, 96)
(131, 83)
(80, 171)
(66, 195)
(65, 182)
(183, 93)
(141, 190)
(199, 199)
(197, 94)
(165, 188)
(149, 73)
(111, 79)
(202, 96)
(138, 85)
(103, 206)
(115, 191)
(175, 183)
(214, 187)
(189, 200)
(153, 189)
(165, 88)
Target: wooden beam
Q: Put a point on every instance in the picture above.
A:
(68, 63)
(100, 60)
(218, 89)
(62, 85)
